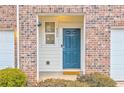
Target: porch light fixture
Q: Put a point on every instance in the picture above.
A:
(39, 23)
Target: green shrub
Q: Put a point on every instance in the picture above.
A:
(97, 80)
(61, 83)
(12, 77)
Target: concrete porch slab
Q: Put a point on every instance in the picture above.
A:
(120, 84)
(56, 75)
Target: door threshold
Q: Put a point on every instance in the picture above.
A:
(71, 69)
(71, 72)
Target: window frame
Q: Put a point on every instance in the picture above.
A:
(47, 33)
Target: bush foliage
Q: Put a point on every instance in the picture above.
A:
(90, 80)
(97, 80)
(12, 77)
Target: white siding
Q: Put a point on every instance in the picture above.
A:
(6, 49)
(117, 54)
(53, 53)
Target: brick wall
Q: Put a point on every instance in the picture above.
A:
(8, 21)
(98, 23)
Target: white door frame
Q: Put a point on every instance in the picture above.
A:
(81, 48)
(83, 29)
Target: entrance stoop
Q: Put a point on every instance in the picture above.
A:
(59, 75)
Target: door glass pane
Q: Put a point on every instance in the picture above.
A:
(50, 27)
(50, 38)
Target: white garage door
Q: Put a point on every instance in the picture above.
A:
(6, 49)
(117, 54)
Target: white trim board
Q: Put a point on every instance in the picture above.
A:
(61, 14)
(37, 49)
(17, 36)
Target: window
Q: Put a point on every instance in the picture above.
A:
(50, 38)
(50, 32)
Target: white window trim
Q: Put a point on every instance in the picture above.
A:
(44, 34)
(49, 33)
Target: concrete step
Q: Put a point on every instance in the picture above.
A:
(120, 84)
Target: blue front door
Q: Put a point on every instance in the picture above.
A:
(71, 48)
